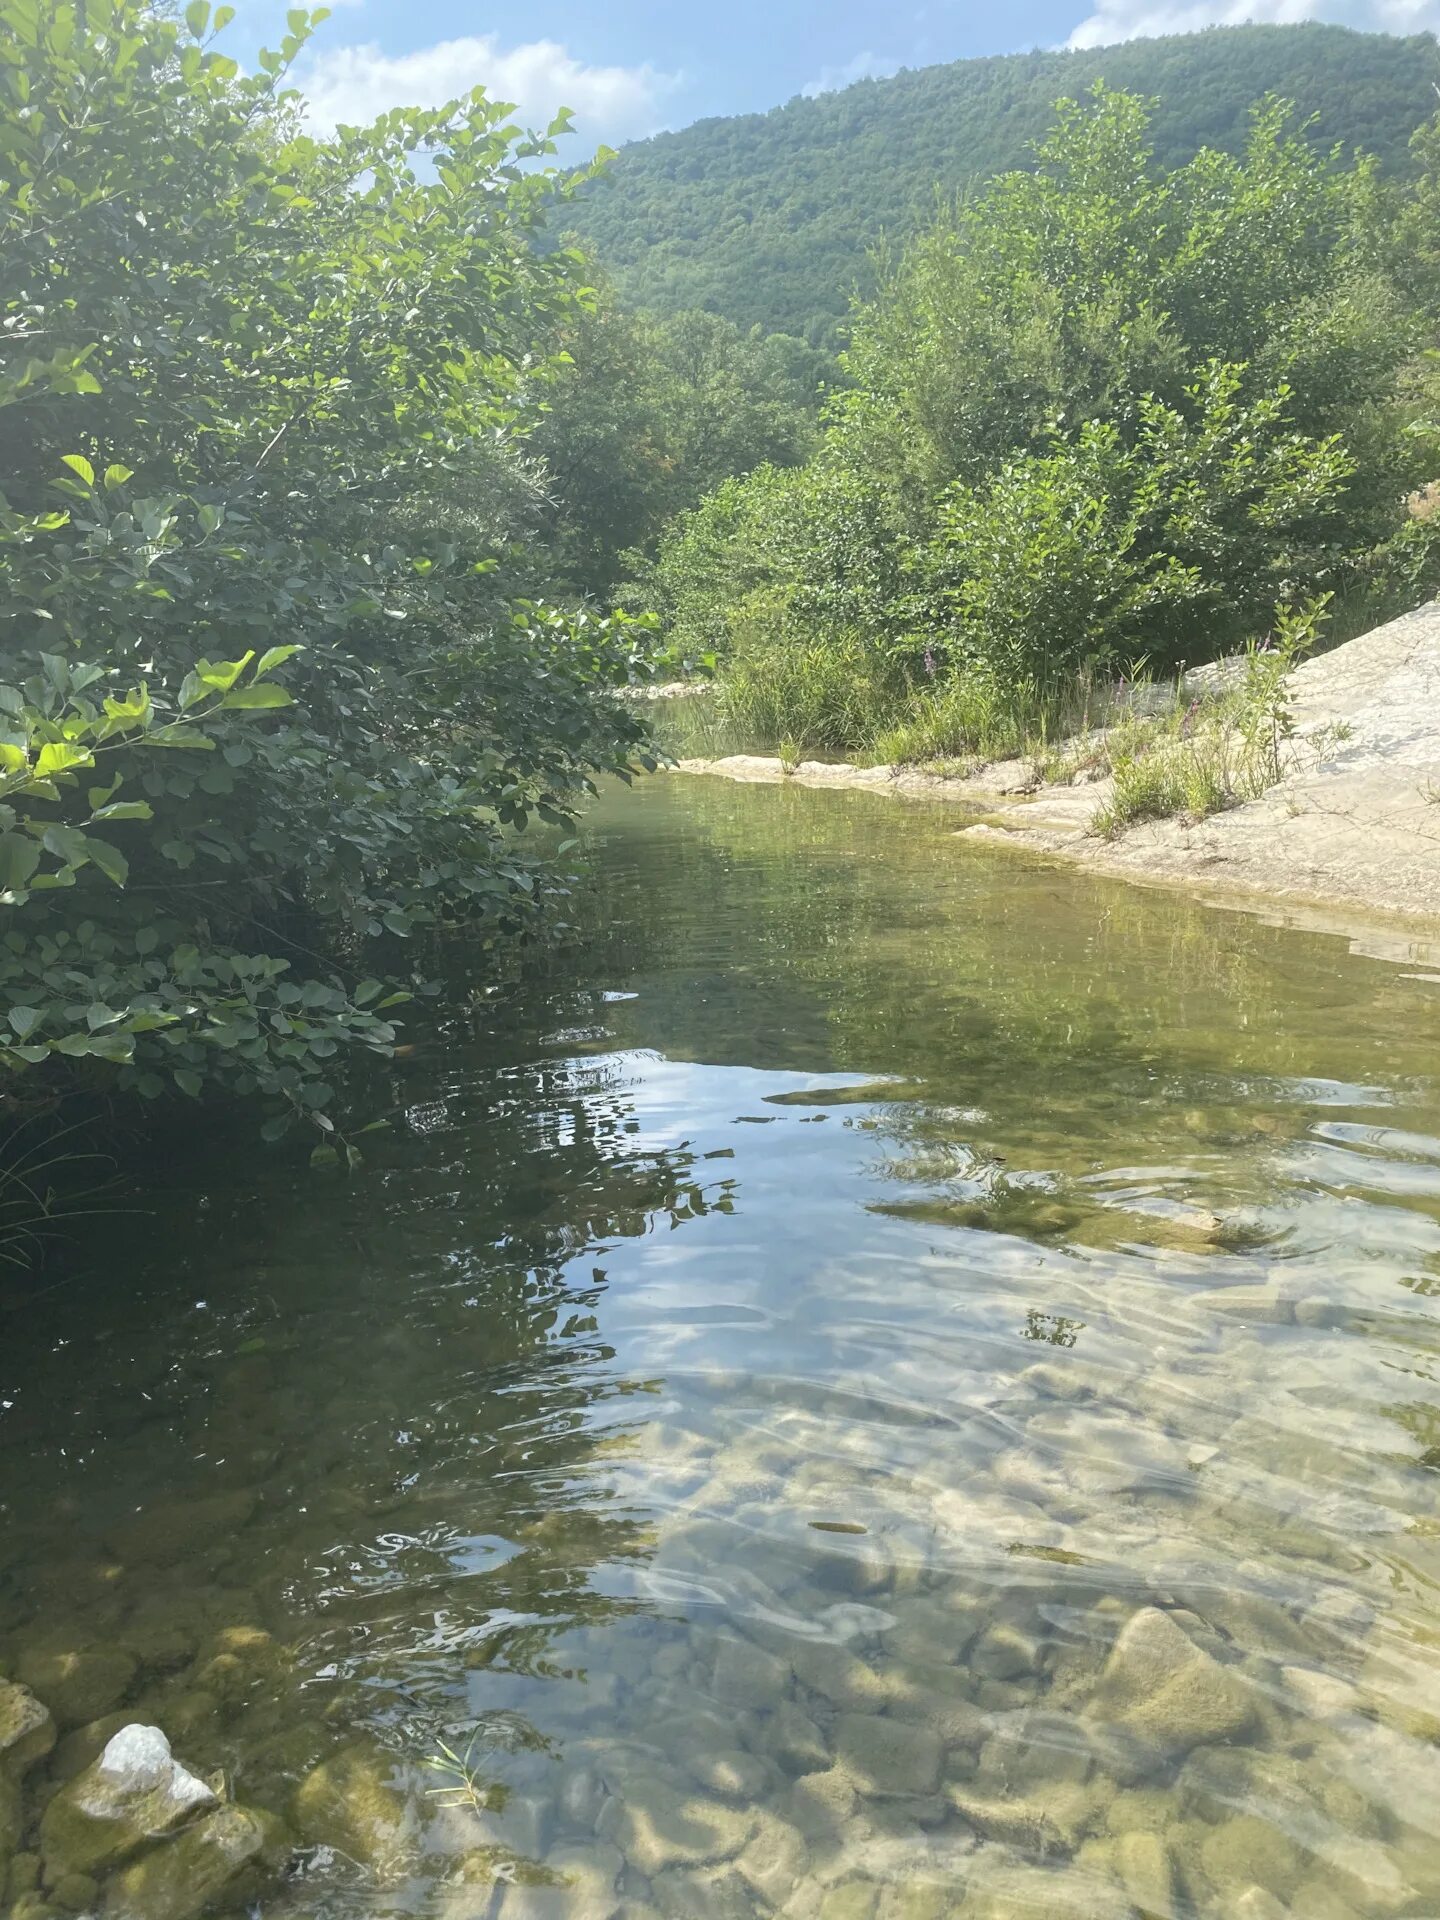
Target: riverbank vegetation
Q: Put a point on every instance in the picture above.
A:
(1103, 419)
(279, 684)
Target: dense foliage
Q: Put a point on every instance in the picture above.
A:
(1103, 410)
(268, 698)
(651, 414)
(769, 218)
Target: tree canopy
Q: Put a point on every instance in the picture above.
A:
(770, 218)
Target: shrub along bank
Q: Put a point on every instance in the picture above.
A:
(275, 691)
(1101, 415)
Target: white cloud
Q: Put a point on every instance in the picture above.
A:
(1115, 20)
(865, 66)
(354, 84)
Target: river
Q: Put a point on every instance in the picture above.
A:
(896, 1380)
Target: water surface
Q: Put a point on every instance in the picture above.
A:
(893, 1381)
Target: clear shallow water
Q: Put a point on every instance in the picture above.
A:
(897, 1382)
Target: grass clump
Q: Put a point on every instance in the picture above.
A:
(1218, 755)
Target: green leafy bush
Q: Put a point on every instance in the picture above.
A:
(270, 690)
(1168, 548)
(1098, 412)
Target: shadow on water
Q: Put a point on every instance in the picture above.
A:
(887, 1380)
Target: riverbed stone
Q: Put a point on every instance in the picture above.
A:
(656, 1826)
(75, 1892)
(580, 1883)
(1147, 1873)
(225, 1853)
(174, 1530)
(1043, 1821)
(747, 1677)
(83, 1746)
(137, 1792)
(775, 1860)
(349, 1802)
(12, 1822)
(238, 1663)
(821, 1803)
(793, 1738)
(1247, 1851)
(702, 1893)
(851, 1900)
(864, 1564)
(889, 1756)
(1162, 1689)
(839, 1676)
(928, 1635)
(78, 1683)
(1318, 1899)
(1006, 1651)
(1256, 1904)
(730, 1773)
(27, 1729)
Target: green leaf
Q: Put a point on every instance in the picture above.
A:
(116, 476)
(66, 843)
(222, 674)
(125, 810)
(254, 697)
(197, 17)
(119, 1047)
(274, 657)
(58, 756)
(188, 1081)
(77, 463)
(111, 862)
(25, 1019)
(19, 857)
(324, 1156)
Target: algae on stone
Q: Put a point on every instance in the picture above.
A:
(224, 1853)
(134, 1794)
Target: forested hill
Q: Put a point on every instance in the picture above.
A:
(768, 218)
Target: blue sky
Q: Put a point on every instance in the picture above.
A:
(633, 67)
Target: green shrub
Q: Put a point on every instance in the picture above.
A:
(265, 701)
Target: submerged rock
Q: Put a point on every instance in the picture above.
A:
(656, 1827)
(83, 1746)
(1162, 1689)
(793, 1738)
(349, 1803)
(747, 1676)
(77, 1683)
(227, 1852)
(775, 1861)
(1147, 1873)
(579, 1883)
(12, 1823)
(1249, 1852)
(889, 1756)
(27, 1729)
(1045, 1821)
(135, 1793)
(170, 1532)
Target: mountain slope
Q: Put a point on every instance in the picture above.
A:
(768, 218)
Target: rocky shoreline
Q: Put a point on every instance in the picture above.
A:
(1350, 835)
